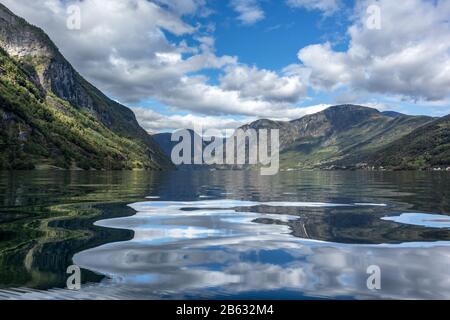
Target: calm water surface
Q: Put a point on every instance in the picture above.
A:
(215, 235)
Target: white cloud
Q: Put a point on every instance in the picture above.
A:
(153, 121)
(123, 50)
(328, 7)
(409, 56)
(249, 11)
(329, 68)
(185, 7)
(263, 84)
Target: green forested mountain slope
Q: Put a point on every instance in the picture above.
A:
(425, 147)
(51, 116)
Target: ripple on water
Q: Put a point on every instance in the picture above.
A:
(209, 249)
(422, 219)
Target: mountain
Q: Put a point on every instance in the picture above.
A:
(50, 116)
(344, 132)
(425, 147)
(164, 140)
(392, 114)
(340, 136)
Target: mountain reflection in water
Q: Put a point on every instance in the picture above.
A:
(204, 235)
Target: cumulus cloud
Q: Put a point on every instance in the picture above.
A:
(153, 121)
(123, 49)
(249, 11)
(263, 84)
(120, 43)
(408, 56)
(328, 7)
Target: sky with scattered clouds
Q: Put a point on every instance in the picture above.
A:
(224, 63)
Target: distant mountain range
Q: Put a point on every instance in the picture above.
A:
(164, 140)
(50, 116)
(352, 136)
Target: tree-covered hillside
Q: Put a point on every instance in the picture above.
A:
(425, 147)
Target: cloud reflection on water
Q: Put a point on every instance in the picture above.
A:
(218, 252)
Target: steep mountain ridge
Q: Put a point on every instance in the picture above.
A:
(35, 75)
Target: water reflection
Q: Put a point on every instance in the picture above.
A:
(422, 219)
(204, 249)
(226, 234)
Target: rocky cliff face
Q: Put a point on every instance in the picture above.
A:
(33, 48)
(45, 70)
(28, 44)
(21, 39)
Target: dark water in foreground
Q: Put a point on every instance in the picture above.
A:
(210, 235)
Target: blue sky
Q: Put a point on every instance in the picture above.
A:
(223, 63)
(273, 42)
